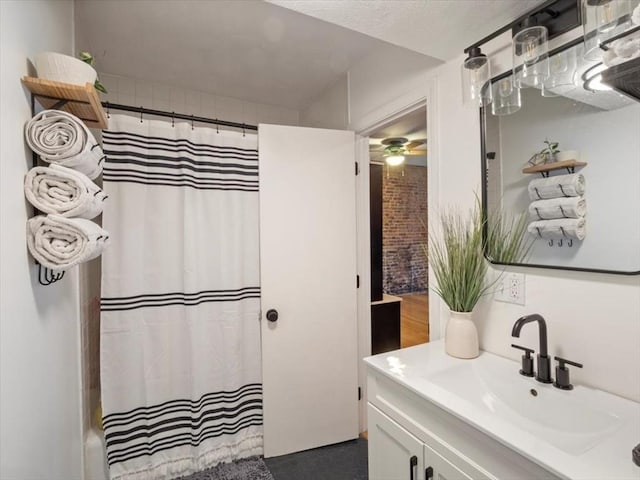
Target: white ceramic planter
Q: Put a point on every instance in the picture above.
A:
(63, 68)
(567, 155)
(461, 336)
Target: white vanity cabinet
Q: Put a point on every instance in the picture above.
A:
(395, 454)
(403, 426)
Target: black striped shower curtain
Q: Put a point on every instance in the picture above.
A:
(180, 334)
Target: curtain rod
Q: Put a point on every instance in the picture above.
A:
(179, 116)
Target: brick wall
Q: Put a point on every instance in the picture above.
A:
(404, 203)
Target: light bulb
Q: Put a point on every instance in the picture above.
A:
(394, 160)
(530, 50)
(606, 15)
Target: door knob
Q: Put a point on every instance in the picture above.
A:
(272, 315)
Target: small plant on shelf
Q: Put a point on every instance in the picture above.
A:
(89, 59)
(546, 155)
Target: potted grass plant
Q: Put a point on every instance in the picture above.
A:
(457, 257)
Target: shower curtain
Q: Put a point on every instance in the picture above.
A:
(180, 334)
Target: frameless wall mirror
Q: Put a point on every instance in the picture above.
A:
(567, 152)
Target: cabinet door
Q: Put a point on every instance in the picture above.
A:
(394, 454)
(439, 468)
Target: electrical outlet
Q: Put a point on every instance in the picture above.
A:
(511, 289)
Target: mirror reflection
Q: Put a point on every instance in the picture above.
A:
(567, 153)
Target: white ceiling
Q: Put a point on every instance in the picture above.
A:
(261, 52)
(438, 28)
(247, 49)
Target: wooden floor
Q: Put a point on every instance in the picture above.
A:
(414, 323)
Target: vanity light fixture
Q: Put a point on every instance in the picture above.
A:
(593, 78)
(602, 19)
(530, 54)
(476, 78)
(530, 49)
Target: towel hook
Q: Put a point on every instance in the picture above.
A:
(551, 242)
(47, 276)
(173, 120)
(560, 243)
(191, 122)
(108, 113)
(217, 126)
(243, 129)
(570, 242)
(140, 113)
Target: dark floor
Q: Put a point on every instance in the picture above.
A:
(343, 461)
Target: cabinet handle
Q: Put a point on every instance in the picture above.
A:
(413, 461)
(428, 473)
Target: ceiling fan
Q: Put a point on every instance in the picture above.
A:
(396, 148)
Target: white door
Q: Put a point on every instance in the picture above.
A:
(308, 275)
(394, 454)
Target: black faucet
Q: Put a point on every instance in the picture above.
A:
(544, 362)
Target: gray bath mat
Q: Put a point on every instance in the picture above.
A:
(252, 468)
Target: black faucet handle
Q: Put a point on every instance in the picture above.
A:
(528, 351)
(563, 361)
(527, 361)
(562, 373)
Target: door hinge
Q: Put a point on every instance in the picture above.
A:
(359, 393)
(357, 168)
(357, 281)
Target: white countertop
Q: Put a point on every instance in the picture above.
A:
(603, 453)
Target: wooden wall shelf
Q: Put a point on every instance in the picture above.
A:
(81, 101)
(548, 167)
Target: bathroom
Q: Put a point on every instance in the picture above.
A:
(412, 57)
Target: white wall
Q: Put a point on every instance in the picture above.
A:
(161, 96)
(40, 413)
(330, 109)
(386, 82)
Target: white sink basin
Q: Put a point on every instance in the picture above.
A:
(570, 420)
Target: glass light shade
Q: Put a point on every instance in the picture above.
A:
(530, 57)
(476, 79)
(562, 71)
(601, 20)
(506, 97)
(394, 160)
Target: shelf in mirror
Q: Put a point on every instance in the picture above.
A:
(548, 167)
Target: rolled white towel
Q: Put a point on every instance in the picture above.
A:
(571, 207)
(571, 185)
(59, 243)
(635, 15)
(63, 191)
(559, 228)
(61, 138)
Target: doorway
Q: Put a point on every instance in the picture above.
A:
(399, 232)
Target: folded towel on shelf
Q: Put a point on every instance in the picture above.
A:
(566, 207)
(571, 185)
(59, 243)
(61, 138)
(559, 228)
(63, 191)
